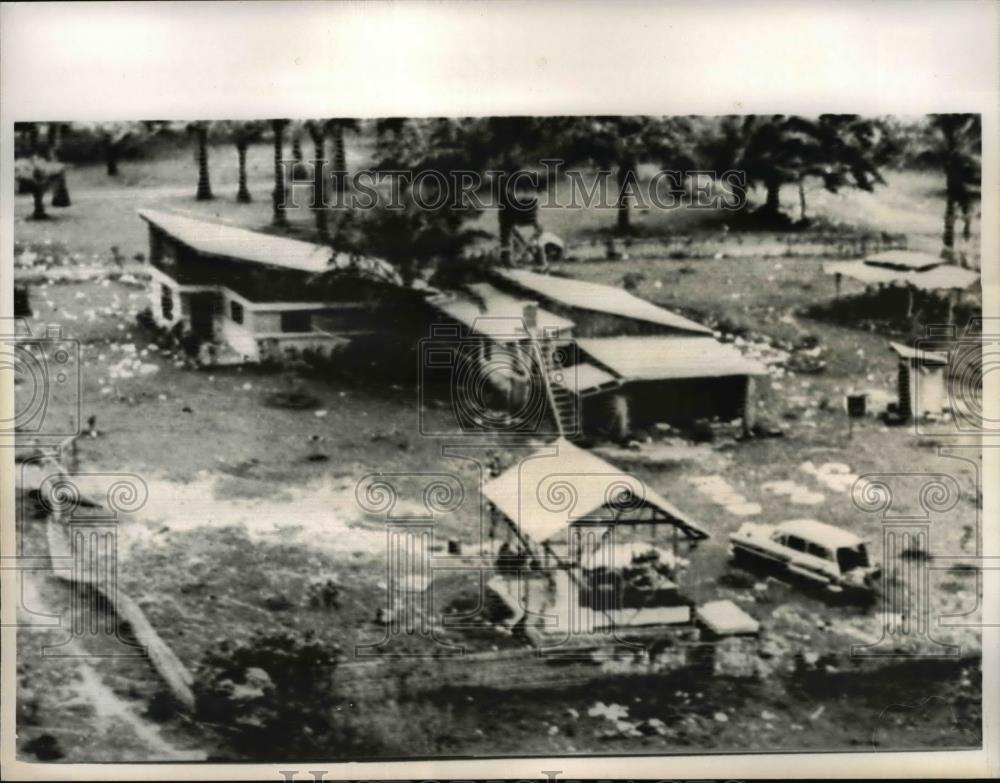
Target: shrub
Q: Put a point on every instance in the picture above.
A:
(271, 695)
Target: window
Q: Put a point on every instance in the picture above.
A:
(796, 543)
(818, 551)
(167, 303)
(849, 558)
(236, 311)
(297, 321)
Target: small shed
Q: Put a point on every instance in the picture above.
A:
(921, 381)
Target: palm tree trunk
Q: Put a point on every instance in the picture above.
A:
(111, 157)
(802, 201)
(204, 185)
(280, 218)
(33, 137)
(626, 176)
(38, 193)
(339, 163)
(52, 139)
(772, 204)
(319, 181)
(948, 236)
(60, 195)
(966, 220)
(242, 193)
(505, 223)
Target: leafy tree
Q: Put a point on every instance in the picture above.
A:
(37, 175)
(776, 150)
(412, 236)
(503, 146)
(115, 137)
(624, 143)
(954, 144)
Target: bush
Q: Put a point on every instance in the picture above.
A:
(271, 695)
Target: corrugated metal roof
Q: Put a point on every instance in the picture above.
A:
(944, 276)
(494, 314)
(926, 357)
(240, 243)
(584, 377)
(561, 483)
(904, 259)
(865, 273)
(660, 358)
(934, 278)
(600, 298)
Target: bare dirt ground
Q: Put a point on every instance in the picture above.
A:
(242, 514)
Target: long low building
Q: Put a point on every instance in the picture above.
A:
(666, 378)
(625, 363)
(249, 296)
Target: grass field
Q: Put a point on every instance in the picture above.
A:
(248, 501)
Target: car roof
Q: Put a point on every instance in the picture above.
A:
(819, 533)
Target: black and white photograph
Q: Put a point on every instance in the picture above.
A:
(387, 436)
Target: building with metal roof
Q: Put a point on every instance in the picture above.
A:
(656, 358)
(676, 372)
(577, 298)
(246, 296)
(486, 311)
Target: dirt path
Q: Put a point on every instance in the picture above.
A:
(87, 705)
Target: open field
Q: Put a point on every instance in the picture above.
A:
(228, 544)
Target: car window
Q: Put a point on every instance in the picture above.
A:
(794, 542)
(849, 558)
(817, 550)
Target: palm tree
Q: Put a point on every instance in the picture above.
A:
(243, 134)
(625, 142)
(955, 145)
(115, 136)
(60, 193)
(37, 175)
(317, 132)
(336, 128)
(278, 130)
(776, 150)
(200, 130)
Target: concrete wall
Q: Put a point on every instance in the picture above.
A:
(237, 336)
